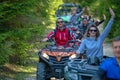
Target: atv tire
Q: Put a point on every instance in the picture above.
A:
(41, 71)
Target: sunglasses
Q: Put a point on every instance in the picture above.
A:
(60, 21)
(93, 30)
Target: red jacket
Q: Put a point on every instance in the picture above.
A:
(61, 36)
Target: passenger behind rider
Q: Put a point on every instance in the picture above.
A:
(85, 15)
(110, 68)
(92, 44)
(61, 34)
(84, 25)
(74, 18)
(86, 21)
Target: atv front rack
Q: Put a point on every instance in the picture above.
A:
(79, 69)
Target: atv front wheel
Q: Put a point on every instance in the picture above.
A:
(41, 71)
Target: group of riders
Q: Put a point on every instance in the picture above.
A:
(87, 32)
(74, 29)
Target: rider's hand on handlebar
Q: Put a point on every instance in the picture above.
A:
(77, 52)
(45, 39)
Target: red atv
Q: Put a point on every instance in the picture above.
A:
(52, 60)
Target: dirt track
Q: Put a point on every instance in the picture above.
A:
(107, 48)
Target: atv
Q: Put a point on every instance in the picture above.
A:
(82, 68)
(52, 60)
(79, 69)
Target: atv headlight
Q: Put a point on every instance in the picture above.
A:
(73, 56)
(45, 55)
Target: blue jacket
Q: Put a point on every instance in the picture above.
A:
(111, 68)
(94, 47)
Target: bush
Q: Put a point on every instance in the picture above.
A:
(15, 45)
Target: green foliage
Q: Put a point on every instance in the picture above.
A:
(116, 28)
(16, 45)
(11, 9)
(22, 24)
(4, 48)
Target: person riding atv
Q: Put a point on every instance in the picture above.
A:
(61, 34)
(53, 58)
(92, 45)
(74, 18)
(52, 61)
(71, 14)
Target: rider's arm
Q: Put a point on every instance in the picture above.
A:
(89, 13)
(79, 14)
(51, 35)
(81, 49)
(88, 9)
(108, 27)
(102, 20)
(72, 36)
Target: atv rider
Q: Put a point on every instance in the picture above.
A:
(61, 34)
(87, 21)
(84, 25)
(74, 18)
(110, 68)
(93, 42)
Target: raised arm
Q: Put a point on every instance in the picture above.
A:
(89, 12)
(79, 14)
(102, 20)
(108, 27)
